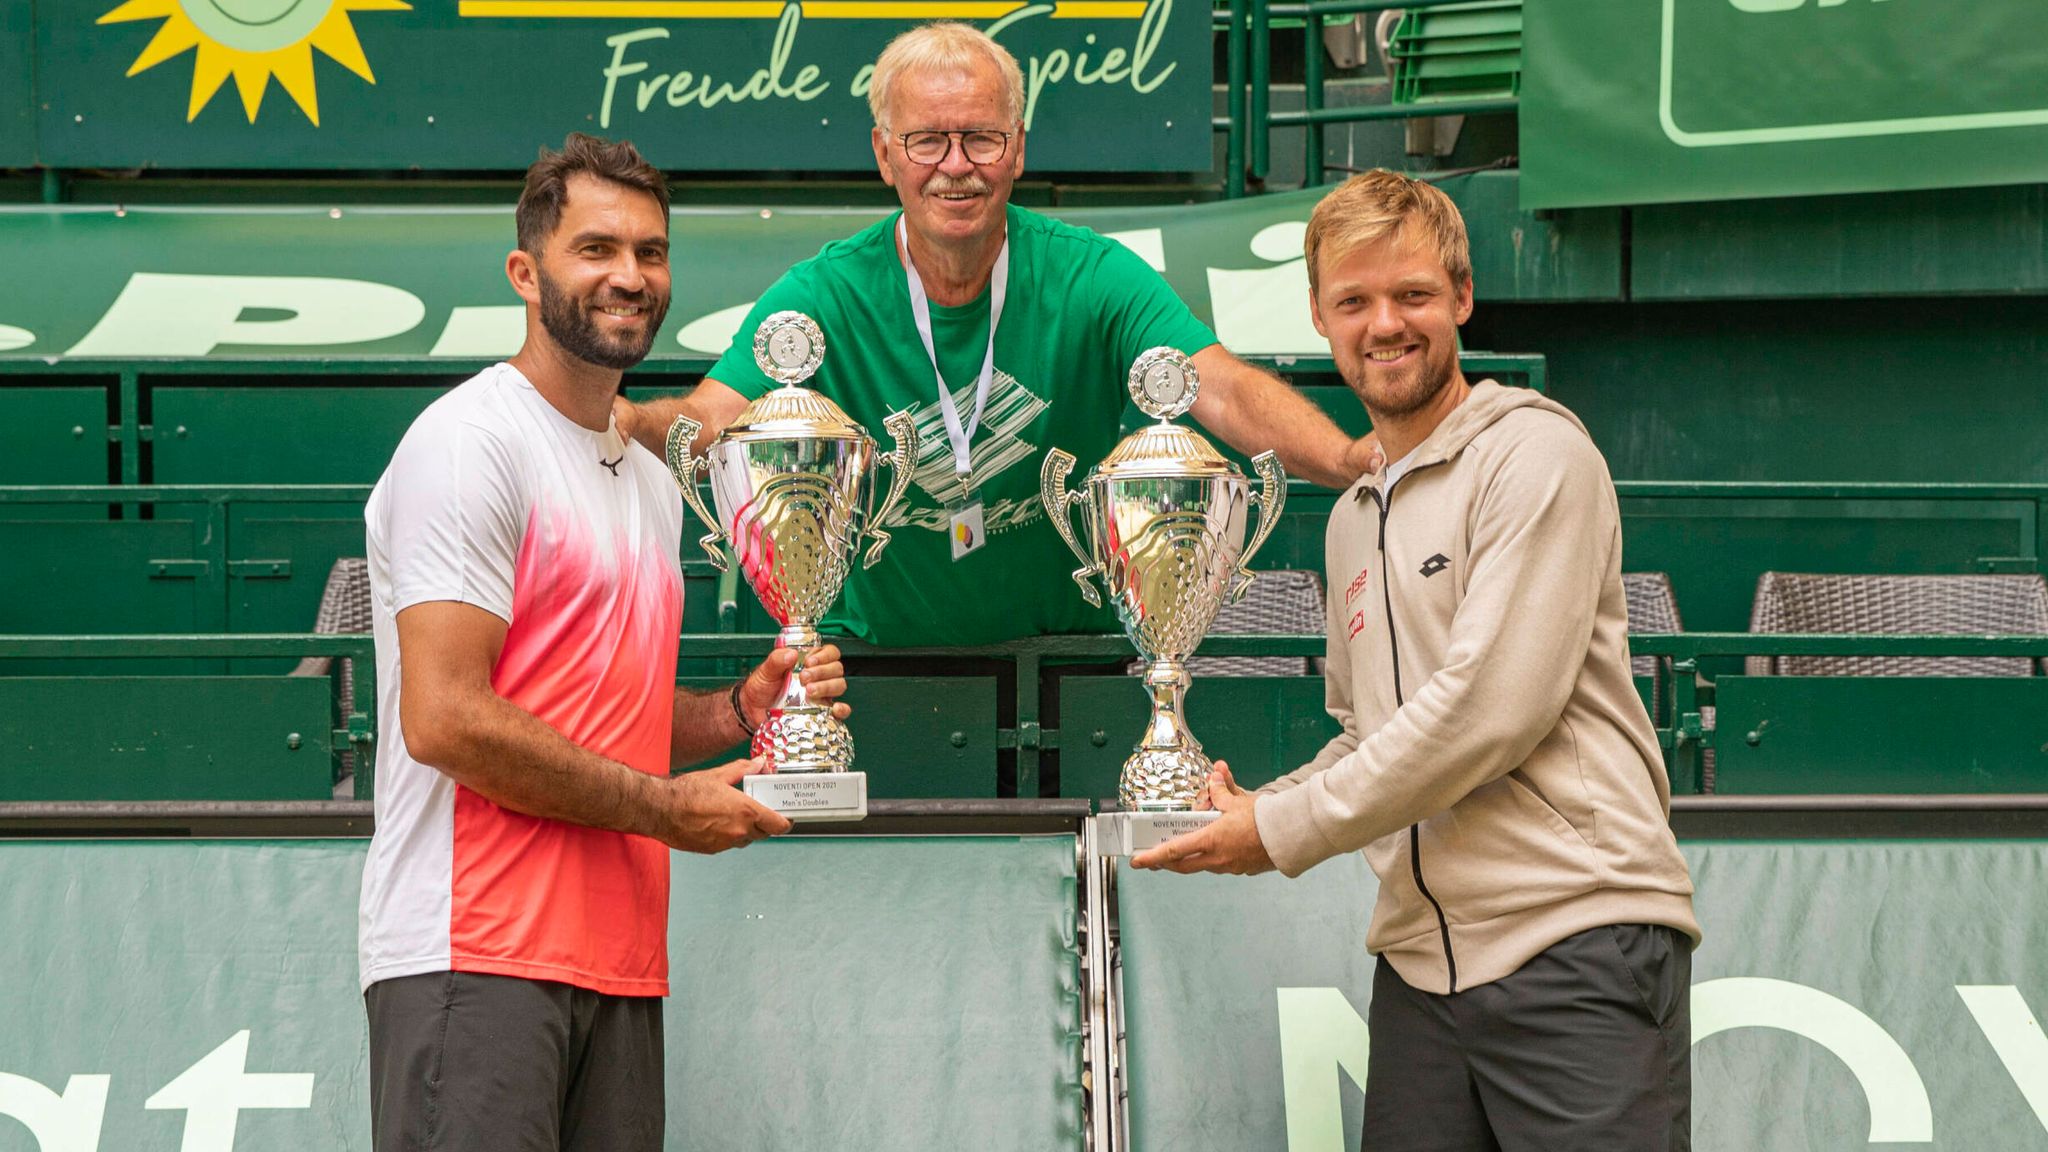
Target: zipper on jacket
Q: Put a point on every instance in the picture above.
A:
(1443, 923)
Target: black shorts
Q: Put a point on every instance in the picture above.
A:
(1586, 1048)
(461, 1062)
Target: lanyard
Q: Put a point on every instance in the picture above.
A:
(921, 311)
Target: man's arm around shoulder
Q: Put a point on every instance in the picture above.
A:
(711, 404)
(1254, 411)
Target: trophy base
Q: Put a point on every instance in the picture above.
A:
(1128, 833)
(811, 796)
(805, 739)
(1173, 769)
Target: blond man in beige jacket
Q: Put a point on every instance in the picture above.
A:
(1534, 925)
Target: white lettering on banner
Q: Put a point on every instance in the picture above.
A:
(482, 330)
(2003, 1016)
(160, 314)
(1149, 244)
(1320, 1032)
(1264, 311)
(1899, 1109)
(213, 1092)
(67, 1123)
(714, 333)
(1053, 67)
(1765, 6)
(618, 67)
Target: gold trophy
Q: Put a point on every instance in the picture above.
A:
(791, 479)
(1165, 516)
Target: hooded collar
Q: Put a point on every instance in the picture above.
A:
(1488, 402)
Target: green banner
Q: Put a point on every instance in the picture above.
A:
(17, 92)
(921, 994)
(826, 994)
(1117, 85)
(419, 282)
(1239, 1014)
(1640, 101)
(1880, 992)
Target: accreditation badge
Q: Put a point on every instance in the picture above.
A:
(965, 529)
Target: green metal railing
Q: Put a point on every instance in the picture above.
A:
(358, 728)
(2017, 515)
(1687, 737)
(1856, 494)
(1247, 26)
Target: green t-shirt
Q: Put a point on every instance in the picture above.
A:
(1080, 307)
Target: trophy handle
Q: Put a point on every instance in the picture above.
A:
(1271, 498)
(902, 461)
(1052, 492)
(685, 466)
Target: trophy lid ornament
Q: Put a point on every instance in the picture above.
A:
(789, 347)
(1163, 382)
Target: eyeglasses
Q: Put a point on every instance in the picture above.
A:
(979, 145)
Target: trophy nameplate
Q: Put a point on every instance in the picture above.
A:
(1129, 833)
(811, 796)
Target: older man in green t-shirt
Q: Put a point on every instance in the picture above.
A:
(1031, 325)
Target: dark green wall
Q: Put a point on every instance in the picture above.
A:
(1912, 390)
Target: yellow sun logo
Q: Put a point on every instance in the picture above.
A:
(253, 40)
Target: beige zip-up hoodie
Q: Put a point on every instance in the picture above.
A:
(1495, 765)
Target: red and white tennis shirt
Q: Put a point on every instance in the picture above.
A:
(496, 499)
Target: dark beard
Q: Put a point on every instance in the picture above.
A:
(569, 323)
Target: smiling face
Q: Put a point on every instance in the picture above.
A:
(601, 279)
(1391, 313)
(953, 204)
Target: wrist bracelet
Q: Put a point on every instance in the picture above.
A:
(738, 712)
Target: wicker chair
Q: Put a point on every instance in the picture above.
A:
(1653, 607)
(1927, 605)
(344, 607)
(1286, 602)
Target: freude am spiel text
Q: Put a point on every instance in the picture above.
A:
(634, 79)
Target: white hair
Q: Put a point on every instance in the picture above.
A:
(945, 46)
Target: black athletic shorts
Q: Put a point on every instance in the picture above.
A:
(1585, 1048)
(461, 1062)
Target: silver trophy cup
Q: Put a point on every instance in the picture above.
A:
(791, 479)
(1164, 516)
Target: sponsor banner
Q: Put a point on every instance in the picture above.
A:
(194, 994)
(1640, 101)
(1118, 85)
(419, 282)
(202, 996)
(1846, 993)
